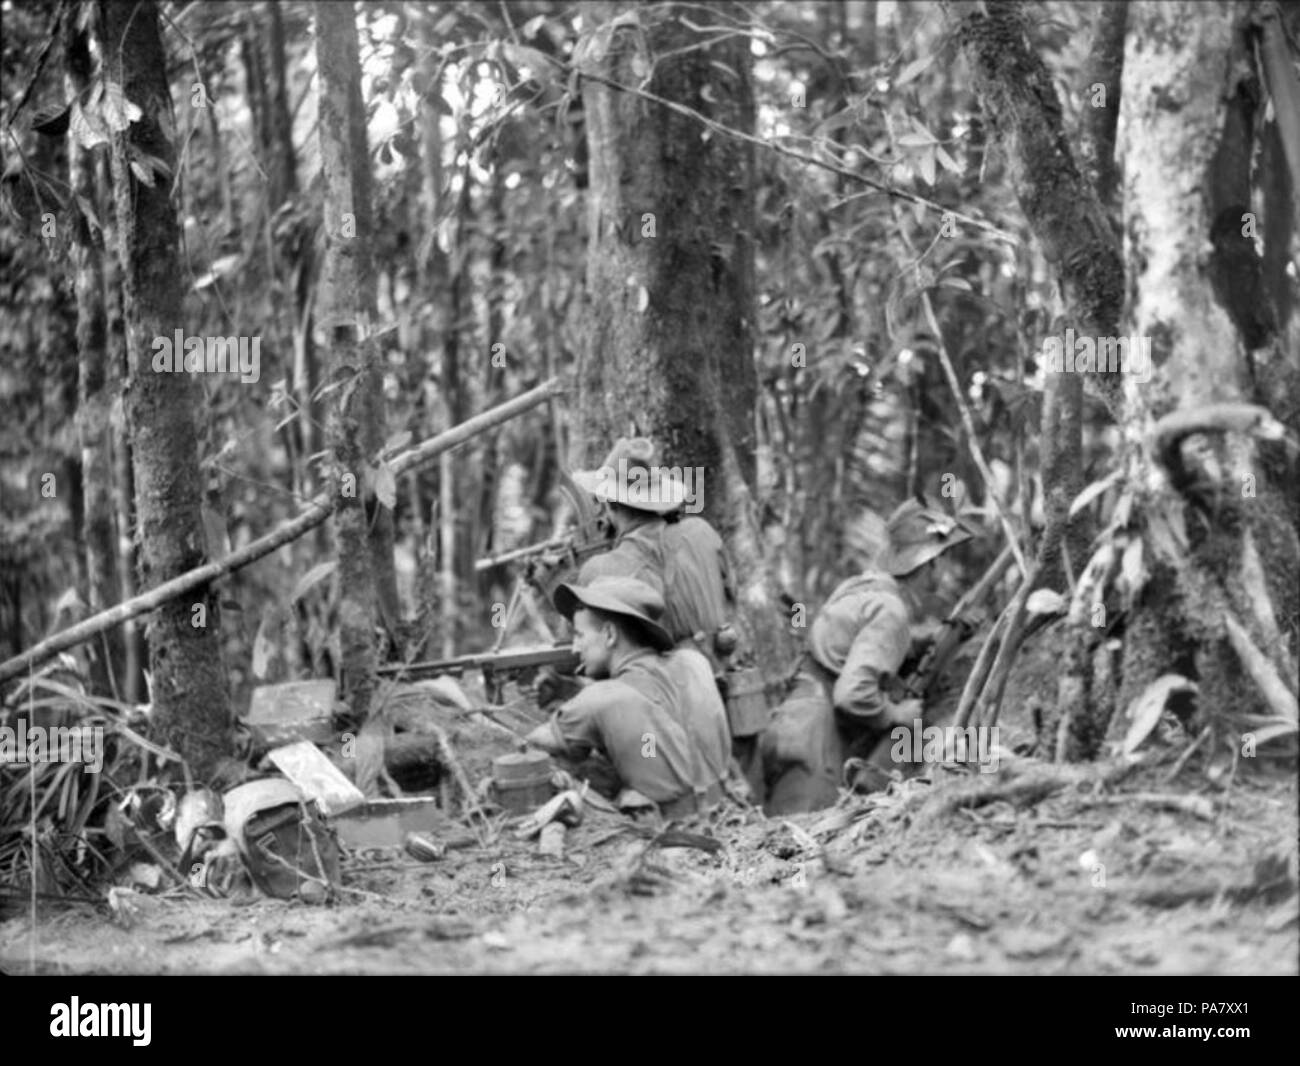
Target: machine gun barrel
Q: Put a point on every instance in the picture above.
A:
(511, 660)
(554, 544)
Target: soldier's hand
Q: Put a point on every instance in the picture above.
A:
(905, 712)
(555, 688)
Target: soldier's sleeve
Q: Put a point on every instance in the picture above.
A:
(621, 561)
(576, 723)
(877, 651)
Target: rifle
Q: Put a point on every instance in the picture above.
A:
(953, 632)
(497, 667)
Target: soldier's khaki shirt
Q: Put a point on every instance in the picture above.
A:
(658, 719)
(862, 634)
(685, 562)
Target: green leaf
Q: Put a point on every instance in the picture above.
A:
(385, 486)
(913, 70)
(117, 110)
(1045, 601)
(1146, 710)
(87, 127)
(263, 647)
(947, 161)
(846, 117)
(311, 579)
(142, 173)
(927, 167)
(1093, 491)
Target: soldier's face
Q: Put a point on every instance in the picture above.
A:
(593, 641)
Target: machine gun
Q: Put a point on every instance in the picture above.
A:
(498, 667)
(549, 562)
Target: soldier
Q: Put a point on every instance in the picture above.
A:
(839, 707)
(680, 555)
(683, 557)
(651, 710)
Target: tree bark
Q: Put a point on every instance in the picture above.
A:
(669, 350)
(1101, 92)
(191, 709)
(363, 527)
(1234, 554)
(98, 379)
(1019, 102)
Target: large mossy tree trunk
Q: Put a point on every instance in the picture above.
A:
(669, 340)
(191, 707)
(1206, 565)
(1220, 543)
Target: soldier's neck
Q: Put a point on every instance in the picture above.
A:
(625, 657)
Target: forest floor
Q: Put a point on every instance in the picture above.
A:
(1035, 869)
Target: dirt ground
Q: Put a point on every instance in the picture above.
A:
(1036, 869)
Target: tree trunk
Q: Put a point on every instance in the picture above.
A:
(362, 526)
(1219, 543)
(669, 348)
(97, 377)
(191, 710)
(283, 170)
(436, 331)
(1019, 102)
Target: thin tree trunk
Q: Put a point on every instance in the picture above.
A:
(283, 170)
(356, 417)
(123, 479)
(96, 376)
(1101, 99)
(191, 709)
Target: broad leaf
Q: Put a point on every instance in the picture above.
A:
(1148, 707)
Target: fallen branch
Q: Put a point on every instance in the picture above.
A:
(1030, 783)
(318, 510)
(1197, 806)
(457, 771)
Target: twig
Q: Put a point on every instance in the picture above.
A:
(56, 896)
(1001, 668)
(728, 131)
(977, 453)
(1198, 806)
(448, 754)
(979, 672)
(1182, 759)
